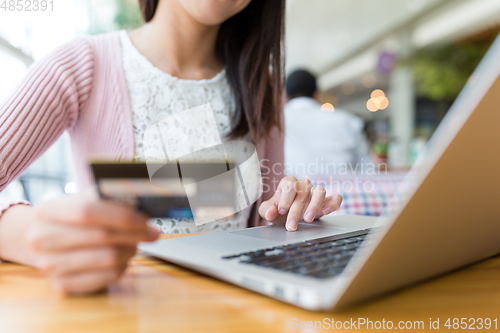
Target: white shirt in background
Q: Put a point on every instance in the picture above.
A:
(322, 143)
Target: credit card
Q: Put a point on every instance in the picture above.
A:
(176, 191)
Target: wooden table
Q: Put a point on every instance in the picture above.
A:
(155, 296)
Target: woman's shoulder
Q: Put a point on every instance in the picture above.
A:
(86, 55)
(87, 60)
(87, 47)
(101, 45)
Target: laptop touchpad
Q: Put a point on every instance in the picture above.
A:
(278, 232)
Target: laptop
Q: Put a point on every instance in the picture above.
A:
(449, 217)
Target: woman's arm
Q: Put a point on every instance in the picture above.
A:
(82, 243)
(43, 106)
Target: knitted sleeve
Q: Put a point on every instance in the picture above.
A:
(45, 104)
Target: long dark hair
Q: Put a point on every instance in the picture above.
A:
(250, 45)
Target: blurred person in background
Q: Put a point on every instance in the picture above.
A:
(320, 142)
(106, 90)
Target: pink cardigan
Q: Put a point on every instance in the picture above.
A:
(80, 87)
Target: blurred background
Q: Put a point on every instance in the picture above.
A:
(398, 64)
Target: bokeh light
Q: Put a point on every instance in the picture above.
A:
(384, 102)
(377, 93)
(370, 105)
(377, 101)
(327, 107)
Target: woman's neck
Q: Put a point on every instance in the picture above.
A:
(177, 44)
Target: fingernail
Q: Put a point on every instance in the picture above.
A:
(292, 225)
(282, 211)
(309, 216)
(327, 210)
(267, 214)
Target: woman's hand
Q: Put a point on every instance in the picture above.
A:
(84, 244)
(294, 201)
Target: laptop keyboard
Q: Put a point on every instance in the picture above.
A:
(320, 258)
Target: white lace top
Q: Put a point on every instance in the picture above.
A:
(155, 95)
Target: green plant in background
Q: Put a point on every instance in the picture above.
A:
(111, 15)
(380, 148)
(440, 73)
(128, 15)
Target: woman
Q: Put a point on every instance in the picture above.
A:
(106, 90)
